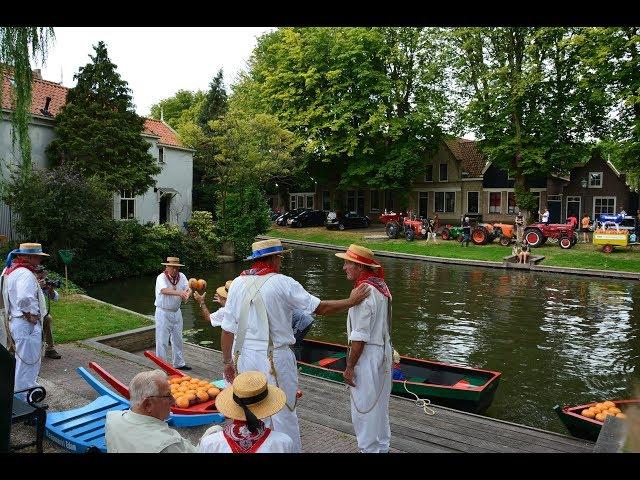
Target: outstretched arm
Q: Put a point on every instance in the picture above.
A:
(332, 306)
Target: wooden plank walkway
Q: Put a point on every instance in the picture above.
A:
(324, 411)
(325, 403)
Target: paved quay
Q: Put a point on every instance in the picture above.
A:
(325, 419)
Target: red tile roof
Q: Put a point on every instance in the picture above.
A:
(42, 89)
(466, 151)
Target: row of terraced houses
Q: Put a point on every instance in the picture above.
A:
(458, 180)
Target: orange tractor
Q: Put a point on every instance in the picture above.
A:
(485, 233)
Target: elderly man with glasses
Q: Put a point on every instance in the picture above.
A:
(142, 428)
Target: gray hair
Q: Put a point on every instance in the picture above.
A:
(145, 385)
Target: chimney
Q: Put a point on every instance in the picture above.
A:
(45, 111)
(37, 73)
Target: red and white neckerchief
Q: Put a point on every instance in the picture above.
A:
(259, 268)
(18, 263)
(240, 438)
(172, 280)
(375, 279)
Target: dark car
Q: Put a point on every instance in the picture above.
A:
(347, 220)
(308, 218)
(282, 219)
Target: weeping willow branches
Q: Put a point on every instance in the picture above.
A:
(17, 46)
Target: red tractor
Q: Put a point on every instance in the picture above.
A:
(397, 224)
(537, 234)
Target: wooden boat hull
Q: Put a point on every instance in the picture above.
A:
(453, 386)
(583, 427)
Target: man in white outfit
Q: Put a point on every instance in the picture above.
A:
(172, 288)
(246, 402)
(368, 370)
(257, 324)
(25, 307)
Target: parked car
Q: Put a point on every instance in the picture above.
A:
(347, 220)
(282, 219)
(308, 218)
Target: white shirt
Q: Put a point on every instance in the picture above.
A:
(216, 318)
(281, 295)
(276, 442)
(169, 302)
(545, 216)
(130, 432)
(367, 321)
(23, 293)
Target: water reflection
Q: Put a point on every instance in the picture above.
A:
(557, 339)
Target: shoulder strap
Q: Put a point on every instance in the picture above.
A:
(253, 285)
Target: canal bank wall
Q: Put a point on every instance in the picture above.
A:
(475, 263)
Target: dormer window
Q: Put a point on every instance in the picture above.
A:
(595, 179)
(160, 155)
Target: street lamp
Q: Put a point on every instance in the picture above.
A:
(583, 182)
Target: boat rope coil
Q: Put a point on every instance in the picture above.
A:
(421, 402)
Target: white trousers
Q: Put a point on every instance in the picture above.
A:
(169, 326)
(372, 377)
(285, 420)
(28, 339)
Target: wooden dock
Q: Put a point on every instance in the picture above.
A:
(323, 410)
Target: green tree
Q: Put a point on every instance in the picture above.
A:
(17, 45)
(365, 104)
(176, 110)
(98, 131)
(524, 99)
(215, 103)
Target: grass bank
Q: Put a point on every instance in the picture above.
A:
(582, 255)
(75, 318)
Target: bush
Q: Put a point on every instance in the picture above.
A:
(246, 215)
(201, 242)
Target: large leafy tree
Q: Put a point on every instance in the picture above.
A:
(98, 131)
(178, 109)
(525, 99)
(17, 46)
(365, 104)
(215, 103)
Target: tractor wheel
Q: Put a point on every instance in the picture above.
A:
(565, 243)
(392, 229)
(607, 248)
(446, 234)
(341, 226)
(410, 235)
(479, 235)
(505, 241)
(534, 237)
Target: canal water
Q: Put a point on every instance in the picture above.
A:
(557, 339)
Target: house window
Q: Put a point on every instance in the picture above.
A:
(595, 179)
(160, 155)
(326, 202)
(445, 202)
(472, 202)
(495, 201)
(511, 202)
(443, 172)
(309, 201)
(351, 200)
(423, 203)
(428, 176)
(375, 200)
(127, 205)
(604, 205)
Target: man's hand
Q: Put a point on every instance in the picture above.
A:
(358, 294)
(199, 298)
(33, 319)
(349, 376)
(185, 294)
(221, 300)
(229, 372)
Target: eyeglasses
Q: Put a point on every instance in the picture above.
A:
(161, 396)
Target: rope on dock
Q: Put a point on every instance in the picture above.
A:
(421, 402)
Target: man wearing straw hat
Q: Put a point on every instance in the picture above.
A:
(368, 371)
(172, 288)
(257, 323)
(247, 402)
(25, 307)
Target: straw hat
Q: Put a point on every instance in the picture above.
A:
(265, 248)
(172, 262)
(248, 385)
(224, 290)
(356, 253)
(30, 249)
